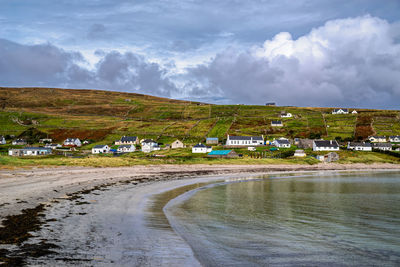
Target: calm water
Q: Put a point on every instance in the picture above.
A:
(310, 221)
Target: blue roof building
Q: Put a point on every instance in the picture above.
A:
(223, 154)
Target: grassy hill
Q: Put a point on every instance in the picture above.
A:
(104, 116)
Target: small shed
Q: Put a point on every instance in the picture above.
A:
(212, 141)
(223, 154)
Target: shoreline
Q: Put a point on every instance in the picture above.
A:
(52, 187)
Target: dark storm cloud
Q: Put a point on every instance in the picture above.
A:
(47, 65)
(350, 62)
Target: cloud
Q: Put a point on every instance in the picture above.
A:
(347, 62)
(97, 31)
(50, 66)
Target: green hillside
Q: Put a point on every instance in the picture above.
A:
(104, 116)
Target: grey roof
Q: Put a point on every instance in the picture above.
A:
(212, 138)
(394, 136)
(200, 145)
(128, 138)
(362, 144)
(276, 122)
(382, 145)
(326, 143)
(283, 141)
(149, 141)
(125, 146)
(377, 136)
(71, 139)
(37, 148)
(344, 109)
(99, 146)
(260, 138)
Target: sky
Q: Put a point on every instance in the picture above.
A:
(331, 53)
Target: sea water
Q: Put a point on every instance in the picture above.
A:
(314, 220)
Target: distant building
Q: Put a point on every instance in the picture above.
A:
(340, 111)
(126, 148)
(299, 153)
(325, 145)
(100, 149)
(354, 112)
(382, 146)
(282, 143)
(330, 157)
(128, 140)
(276, 123)
(148, 142)
(212, 141)
(177, 144)
(149, 145)
(286, 115)
(377, 139)
(223, 154)
(2, 140)
(30, 151)
(19, 142)
(200, 148)
(305, 143)
(359, 146)
(245, 140)
(270, 104)
(394, 139)
(53, 146)
(45, 140)
(72, 142)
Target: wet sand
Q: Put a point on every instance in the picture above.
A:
(101, 216)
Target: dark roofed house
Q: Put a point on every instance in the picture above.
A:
(276, 123)
(325, 145)
(382, 146)
(128, 140)
(19, 142)
(394, 139)
(360, 146)
(282, 143)
(245, 140)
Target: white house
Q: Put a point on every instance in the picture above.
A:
(53, 146)
(2, 140)
(382, 146)
(126, 148)
(377, 139)
(359, 146)
(325, 145)
(299, 153)
(100, 149)
(127, 140)
(200, 148)
(72, 142)
(286, 115)
(45, 140)
(177, 144)
(149, 145)
(394, 139)
(19, 142)
(354, 112)
(276, 123)
(282, 143)
(30, 151)
(340, 111)
(245, 140)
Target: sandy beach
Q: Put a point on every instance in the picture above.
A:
(78, 206)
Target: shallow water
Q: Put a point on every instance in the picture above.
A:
(333, 220)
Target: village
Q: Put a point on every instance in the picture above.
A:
(255, 147)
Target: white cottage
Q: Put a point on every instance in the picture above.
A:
(276, 123)
(325, 145)
(359, 146)
(126, 148)
(245, 140)
(354, 112)
(100, 149)
(282, 143)
(340, 111)
(299, 153)
(30, 151)
(286, 115)
(72, 142)
(382, 146)
(377, 139)
(394, 139)
(200, 148)
(2, 140)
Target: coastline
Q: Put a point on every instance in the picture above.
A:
(69, 190)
